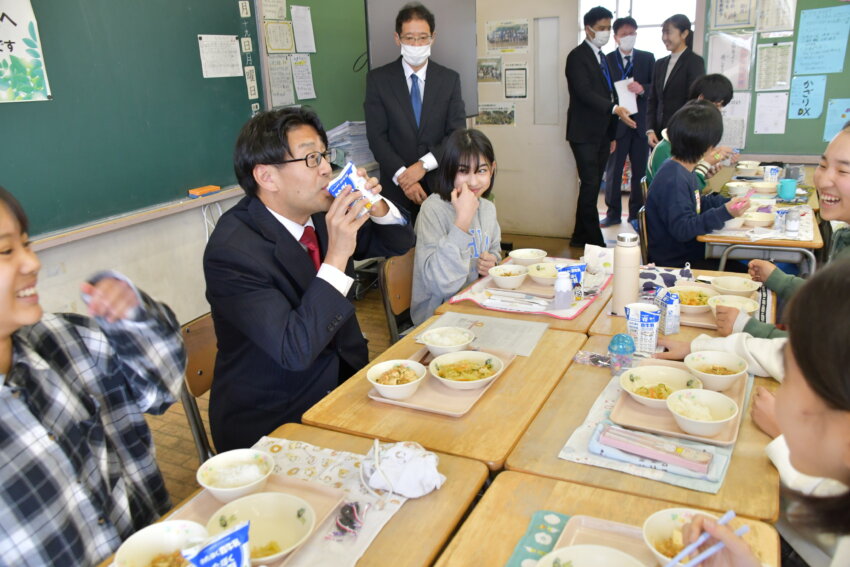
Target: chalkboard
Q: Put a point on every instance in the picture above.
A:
(339, 63)
(801, 137)
(132, 123)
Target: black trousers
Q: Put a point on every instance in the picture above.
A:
(591, 159)
(634, 145)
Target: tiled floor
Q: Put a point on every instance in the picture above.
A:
(175, 449)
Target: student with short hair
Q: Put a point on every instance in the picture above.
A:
(716, 89)
(278, 268)
(444, 262)
(78, 472)
(676, 212)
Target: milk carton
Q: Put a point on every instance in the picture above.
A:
(668, 303)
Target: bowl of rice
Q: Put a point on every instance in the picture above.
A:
(447, 339)
(702, 412)
(740, 303)
(527, 256)
(234, 474)
(662, 532)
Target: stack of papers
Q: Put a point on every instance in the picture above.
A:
(350, 137)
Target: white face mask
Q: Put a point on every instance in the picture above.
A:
(627, 43)
(415, 55)
(600, 38)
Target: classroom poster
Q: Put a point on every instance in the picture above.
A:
(822, 40)
(733, 14)
(23, 75)
(729, 54)
(837, 114)
(220, 56)
(775, 15)
(302, 73)
(280, 80)
(489, 69)
(735, 116)
(508, 36)
(806, 99)
(496, 114)
(773, 66)
(302, 23)
(771, 110)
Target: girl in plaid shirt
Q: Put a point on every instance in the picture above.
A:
(78, 472)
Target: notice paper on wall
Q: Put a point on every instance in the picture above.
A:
(302, 72)
(22, 72)
(837, 114)
(729, 54)
(279, 38)
(822, 40)
(807, 94)
(220, 56)
(773, 66)
(302, 23)
(771, 109)
(280, 80)
(735, 121)
(274, 9)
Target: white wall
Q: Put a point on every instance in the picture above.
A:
(163, 257)
(536, 183)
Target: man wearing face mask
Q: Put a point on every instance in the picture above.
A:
(591, 120)
(411, 107)
(626, 62)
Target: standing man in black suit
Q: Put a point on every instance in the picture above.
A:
(411, 107)
(278, 270)
(627, 62)
(591, 120)
(673, 75)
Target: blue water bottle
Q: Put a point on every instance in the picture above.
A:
(621, 351)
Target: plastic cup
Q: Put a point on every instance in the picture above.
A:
(787, 189)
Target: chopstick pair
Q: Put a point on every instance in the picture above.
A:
(725, 519)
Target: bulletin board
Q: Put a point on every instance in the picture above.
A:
(816, 76)
(132, 122)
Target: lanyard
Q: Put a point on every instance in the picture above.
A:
(604, 65)
(628, 69)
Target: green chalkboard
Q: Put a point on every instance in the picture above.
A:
(132, 122)
(339, 71)
(801, 137)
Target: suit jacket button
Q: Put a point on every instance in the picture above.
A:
(330, 327)
(339, 317)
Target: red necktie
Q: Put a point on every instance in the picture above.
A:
(309, 240)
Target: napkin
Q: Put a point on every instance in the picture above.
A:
(404, 468)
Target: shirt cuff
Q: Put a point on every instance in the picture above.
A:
(429, 161)
(397, 173)
(740, 322)
(614, 109)
(133, 314)
(338, 280)
(393, 216)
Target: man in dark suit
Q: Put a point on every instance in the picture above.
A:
(626, 62)
(278, 272)
(591, 120)
(673, 75)
(411, 106)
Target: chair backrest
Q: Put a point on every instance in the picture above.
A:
(200, 341)
(643, 237)
(395, 279)
(644, 188)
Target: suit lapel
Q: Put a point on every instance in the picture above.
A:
(288, 251)
(594, 60)
(432, 85)
(402, 93)
(676, 67)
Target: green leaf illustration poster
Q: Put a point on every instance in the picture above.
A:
(23, 76)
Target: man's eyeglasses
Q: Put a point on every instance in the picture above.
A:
(408, 39)
(313, 159)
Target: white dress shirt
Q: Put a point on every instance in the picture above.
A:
(428, 160)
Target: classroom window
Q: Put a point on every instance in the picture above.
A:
(649, 14)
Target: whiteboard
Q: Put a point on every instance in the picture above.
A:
(455, 46)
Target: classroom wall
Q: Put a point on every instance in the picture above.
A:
(537, 182)
(163, 257)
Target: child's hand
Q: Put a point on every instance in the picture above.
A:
(738, 206)
(726, 319)
(764, 411)
(735, 553)
(760, 270)
(485, 262)
(110, 298)
(718, 154)
(676, 350)
(465, 203)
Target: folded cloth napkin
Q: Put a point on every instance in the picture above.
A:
(403, 468)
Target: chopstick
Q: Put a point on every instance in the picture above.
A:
(740, 204)
(714, 548)
(725, 519)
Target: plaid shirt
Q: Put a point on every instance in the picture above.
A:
(78, 472)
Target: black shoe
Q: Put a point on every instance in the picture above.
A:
(605, 223)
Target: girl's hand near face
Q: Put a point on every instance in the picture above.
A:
(485, 262)
(465, 203)
(110, 298)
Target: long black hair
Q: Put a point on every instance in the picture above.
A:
(818, 319)
(683, 24)
(16, 209)
(464, 146)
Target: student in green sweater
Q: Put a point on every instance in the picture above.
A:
(832, 180)
(716, 89)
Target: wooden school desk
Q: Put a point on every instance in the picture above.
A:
(487, 433)
(751, 486)
(420, 529)
(610, 325)
(579, 325)
(500, 519)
